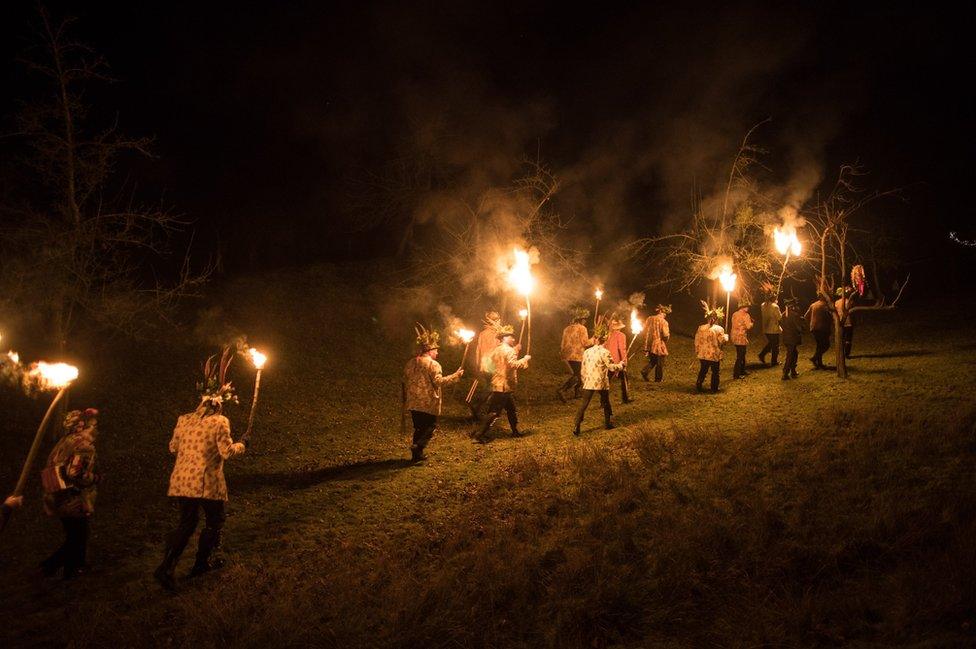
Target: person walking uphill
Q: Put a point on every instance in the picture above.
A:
(487, 341)
(597, 364)
(771, 316)
(201, 442)
(709, 340)
(741, 324)
(792, 328)
(423, 380)
(69, 480)
(506, 363)
(655, 342)
(575, 340)
(843, 305)
(821, 322)
(616, 344)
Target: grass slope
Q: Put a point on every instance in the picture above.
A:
(812, 512)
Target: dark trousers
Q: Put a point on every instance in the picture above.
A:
(657, 362)
(624, 394)
(823, 344)
(424, 424)
(497, 402)
(771, 348)
(703, 370)
(789, 367)
(481, 394)
(190, 508)
(71, 554)
(739, 369)
(576, 380)
(604, 401)
(847, 336)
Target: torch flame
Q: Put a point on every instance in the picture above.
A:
(14, 357)
(523, 313)
(727, 278)
(786, 240)
(520, 274)
(52, 376)
(257, 358)
(466, 335)
(636, 326)
(598, 293)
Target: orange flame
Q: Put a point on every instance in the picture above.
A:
(786, 240)
(52, 376)
(636, 326)
(520, 274)
(257, 358)
(523, 313)
(466, 335)
(598, 293)
(727, 279)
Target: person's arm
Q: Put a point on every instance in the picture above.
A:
(227, 447)
(174, 442)
(517, 363)
(665, 330)
(437, 376)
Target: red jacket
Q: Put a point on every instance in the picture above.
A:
(617, 345)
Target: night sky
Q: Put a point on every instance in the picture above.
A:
(266, 114)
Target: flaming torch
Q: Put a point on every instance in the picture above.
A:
(46, 376)
(258, 359)
(636, 327)
(520, 278)
(787, 244)
(727, 279)
(522, 314)
(598, 294)
(465, 336)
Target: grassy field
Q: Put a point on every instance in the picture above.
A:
(814, 512)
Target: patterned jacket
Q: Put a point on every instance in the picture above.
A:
(617, 345)
(575, 340)
(201, 444)
(423, 379)
(597, 363)
(709, 341)
(741, 324)
(658, 331)
(75, 454)
(771, 315)
(506, 363)
(487, 341)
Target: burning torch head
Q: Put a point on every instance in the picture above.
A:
(257, 358)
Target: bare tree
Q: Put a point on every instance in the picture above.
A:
(76, 245)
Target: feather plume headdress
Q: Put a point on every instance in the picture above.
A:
(579, 313)
(215, 388)
(663, 308)
(716, 313)
(427, 339)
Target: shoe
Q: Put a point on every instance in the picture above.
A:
(762, 359)
(576, 431)
(630, 400)
(560, 396)
(794, 374)
(417, 454)
(774, 363)
(699, 389)
(786, 377)
(644, 376)
(517, 433)
(609, 425)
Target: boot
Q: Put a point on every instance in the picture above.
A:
(165, 574)
(416, 453)
(209, 543)
(576, 430)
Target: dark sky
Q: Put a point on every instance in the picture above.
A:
(264, 112)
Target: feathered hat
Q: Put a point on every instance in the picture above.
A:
(78, 420)
(579, 313)
(215, 387)
(427, 339)
(663, 308)
(601, 329)
(716, 313)
(504, 330)
(492, 318)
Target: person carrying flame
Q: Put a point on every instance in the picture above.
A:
(201, 443)
(597, 364)
(657, 332)
(616, 344)
(709, 340)
(487, 341)
(741, 324)
(506, 363)
(422, 381)
(575, 339)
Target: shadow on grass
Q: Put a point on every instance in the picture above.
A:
(908, 353)
(366, 470)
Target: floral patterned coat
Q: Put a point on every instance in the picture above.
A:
(506, 363)
(575, 340)
(741, 324)
(597, 363)
(658, 332)
(201, 444)
(709, 341)
(75, 453)
(423, 379)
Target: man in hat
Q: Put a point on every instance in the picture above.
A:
(575, 340)
(487, 341)
(506, 364)
(597, 364)
(709, 340)
(201, 443)
(771, 316)
(616, 344)
(844, 304)
(792, 327)
(423, 380)
(741, 324)
(656, 335)
(821, 322)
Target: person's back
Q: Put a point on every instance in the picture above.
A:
(771, 316)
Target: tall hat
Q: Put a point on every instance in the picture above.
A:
(215, 388)
(427, 339)
(601, 330)
(663, 308)
(504, 330)
(712, 312)
(78, 420)
(579, 313)
(615, 322)
(491, 318)
(744, 301)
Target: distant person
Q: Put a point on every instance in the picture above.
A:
(656, 335)
(506, 363)
(423, 380)
(597, 363)
(771, 316)
(575, 340)
(201, 442)
(616, 344)
(69, 480)
(821, 322)
(709, 340)
(843, 305)
(741, 324)
(792, 326)
(487, 341)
